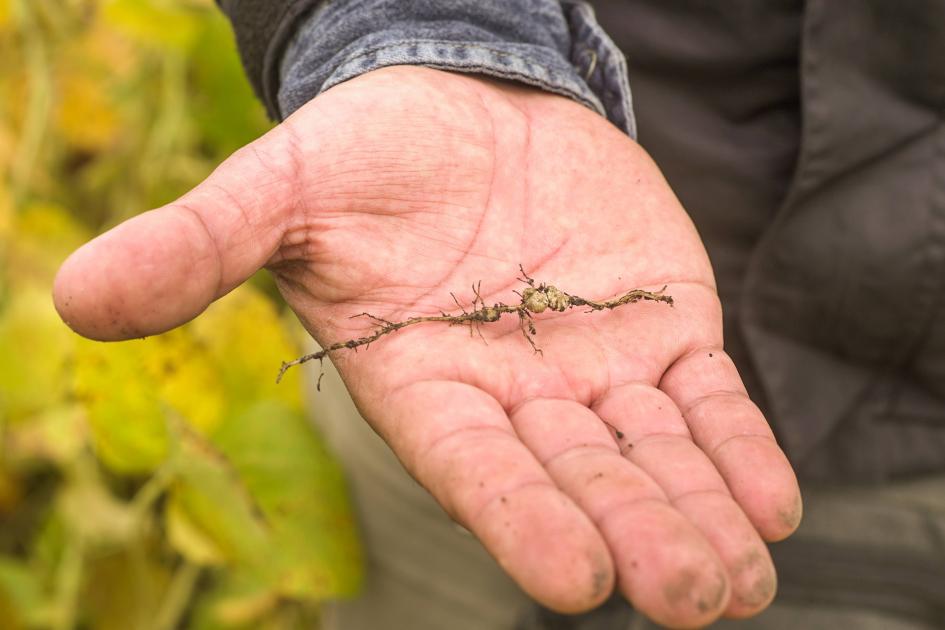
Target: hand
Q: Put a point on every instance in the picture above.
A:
(629, 451)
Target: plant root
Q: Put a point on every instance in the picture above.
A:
(535, 298)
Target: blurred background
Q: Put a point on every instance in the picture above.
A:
(161, 483)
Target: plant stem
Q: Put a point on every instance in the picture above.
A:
(179, 593)
(38, 104)
(68, 582)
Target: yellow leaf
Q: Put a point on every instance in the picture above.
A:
(42, 236)
(34, 348)
(186, 377)
(107, 52)
(129, 389)
(244, 335)
(86, 119)
(246, 609)
(157, 24)
(56, 434)
(125, 415)
(125, 590)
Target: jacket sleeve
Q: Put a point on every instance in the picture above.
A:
(295, 49)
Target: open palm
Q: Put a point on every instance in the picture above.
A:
(626, 451)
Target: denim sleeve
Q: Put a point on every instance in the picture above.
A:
(552, 45)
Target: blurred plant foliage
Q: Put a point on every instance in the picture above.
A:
(160, 483)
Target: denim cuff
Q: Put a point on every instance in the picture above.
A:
(555, 46)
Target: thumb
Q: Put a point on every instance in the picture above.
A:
(164, 267)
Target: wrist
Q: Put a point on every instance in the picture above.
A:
(565, 52)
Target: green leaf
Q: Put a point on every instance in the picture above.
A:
(267, 497)
(212, 511)
(235, 600)
(301, 492)
(21, 596)
(225, 109)
(186, 536)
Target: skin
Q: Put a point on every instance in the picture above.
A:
(386, 193)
